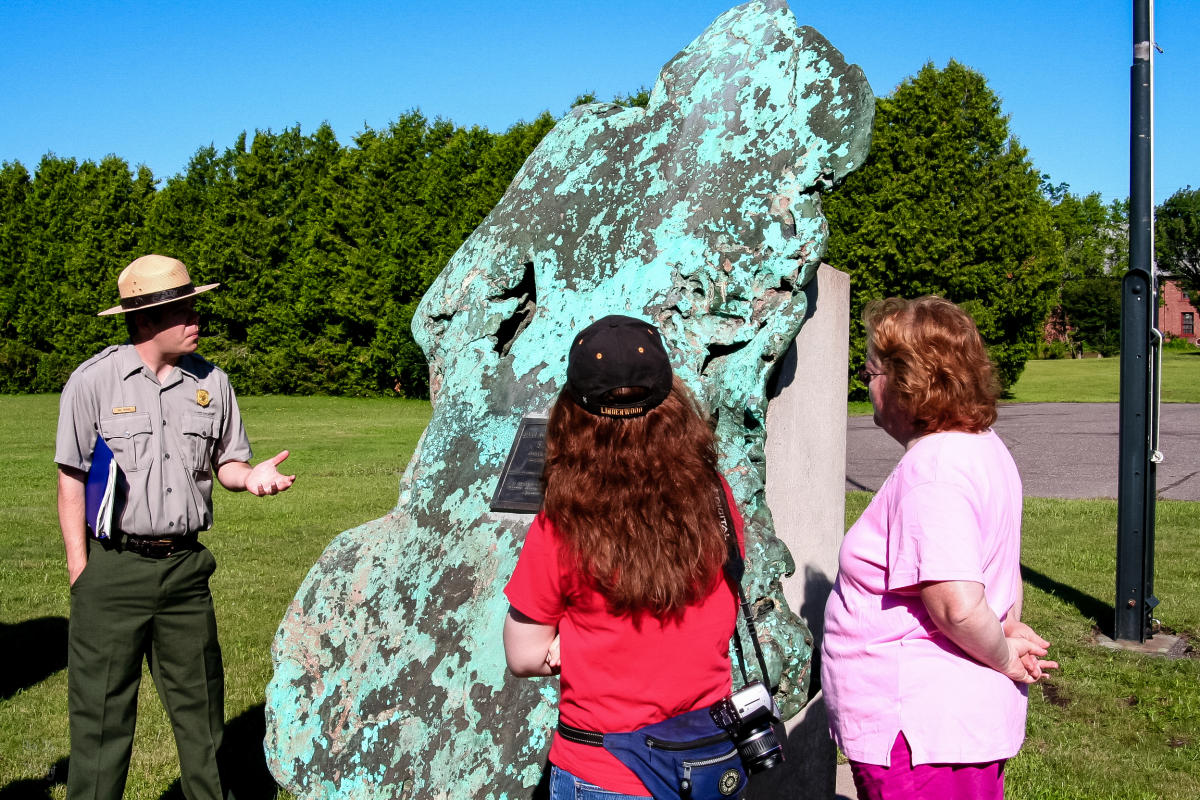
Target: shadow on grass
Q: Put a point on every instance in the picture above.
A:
(1092, 608)
(37, 649)
(243, 766)
(36, 788)
(243, 763)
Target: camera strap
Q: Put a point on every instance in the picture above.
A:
(735, 570)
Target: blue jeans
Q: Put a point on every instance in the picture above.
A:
(565, 786)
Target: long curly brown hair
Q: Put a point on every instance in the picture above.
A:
(635, 502)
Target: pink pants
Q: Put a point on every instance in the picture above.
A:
(903, 781)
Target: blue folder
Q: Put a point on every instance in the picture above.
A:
(101, 490)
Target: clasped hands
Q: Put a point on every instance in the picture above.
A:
(1026, 648)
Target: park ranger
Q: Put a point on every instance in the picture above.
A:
(172, 423)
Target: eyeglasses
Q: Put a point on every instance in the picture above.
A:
(866, 375)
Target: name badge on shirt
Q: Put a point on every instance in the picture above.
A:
(203, 398)
(124, 409)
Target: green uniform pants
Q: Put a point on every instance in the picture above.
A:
(126, 607)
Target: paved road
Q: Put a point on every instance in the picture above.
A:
(1061, 450)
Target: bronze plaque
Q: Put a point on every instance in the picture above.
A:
(520, 487)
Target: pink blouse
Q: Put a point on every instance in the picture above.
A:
(949, 511)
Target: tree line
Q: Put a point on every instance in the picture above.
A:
(325, 249)
(949, 203)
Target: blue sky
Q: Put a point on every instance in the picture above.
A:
(153, 81)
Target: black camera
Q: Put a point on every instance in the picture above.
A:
(748, 716)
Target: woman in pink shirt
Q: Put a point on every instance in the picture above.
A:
(925, 659)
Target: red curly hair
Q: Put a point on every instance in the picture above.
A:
(634, 500)
(938, 369)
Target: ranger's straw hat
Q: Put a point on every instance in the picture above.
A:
(154, 281)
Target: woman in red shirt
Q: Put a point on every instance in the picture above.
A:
(621, 571)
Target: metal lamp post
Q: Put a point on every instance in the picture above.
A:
(1140, 341)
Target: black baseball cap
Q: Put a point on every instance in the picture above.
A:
(613, 353)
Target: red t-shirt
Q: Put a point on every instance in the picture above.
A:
(615, 675)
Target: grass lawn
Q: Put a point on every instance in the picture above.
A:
(1098, 380)
(348, 455)
(1108, 725)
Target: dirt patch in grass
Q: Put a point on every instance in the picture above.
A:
(1054, 695)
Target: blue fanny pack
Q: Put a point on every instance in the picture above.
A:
(686, 756)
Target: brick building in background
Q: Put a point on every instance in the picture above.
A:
(1177, 316)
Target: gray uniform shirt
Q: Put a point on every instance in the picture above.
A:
(167, 438)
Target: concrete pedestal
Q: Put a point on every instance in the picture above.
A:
(806, 468)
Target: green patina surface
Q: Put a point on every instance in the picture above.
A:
(700, 213)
